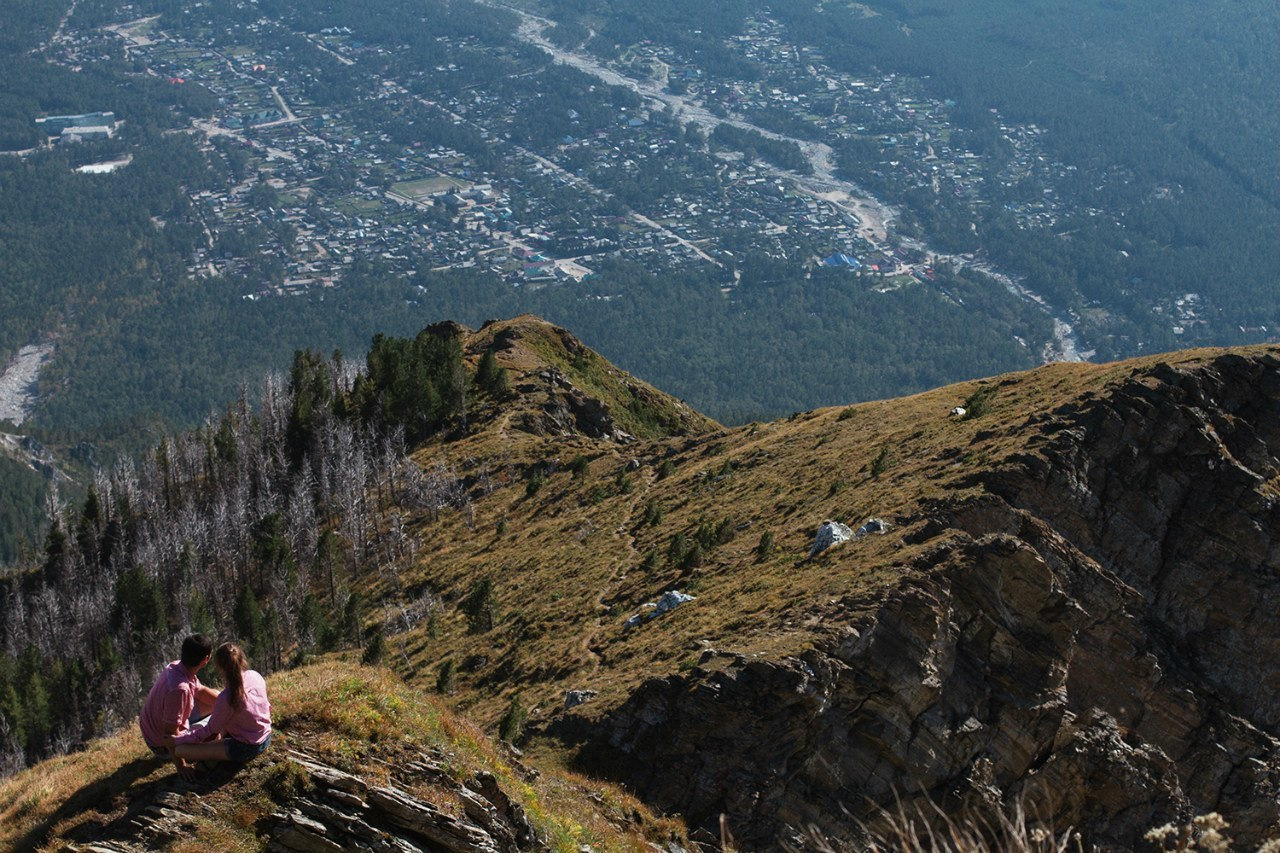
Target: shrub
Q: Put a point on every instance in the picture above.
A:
(537, 477)
(693, 557)
(883, 462)
(481, 606)
(724, 532)
(978, 403)
(490, 377)
(511, 726)
(446, 678)
(764, 549)
(376, 648)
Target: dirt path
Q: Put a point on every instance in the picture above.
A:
(628, 558)
(58, 34)
(284, 108)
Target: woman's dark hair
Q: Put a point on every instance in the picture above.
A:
(195, 649)
(230, 659)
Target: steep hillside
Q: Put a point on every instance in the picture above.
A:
(1069, 605)
(1059, 596)
(357, 760)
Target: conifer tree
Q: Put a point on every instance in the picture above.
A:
(491, 378)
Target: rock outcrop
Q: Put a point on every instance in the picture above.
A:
(346, 813)
(336, 811)
(1095, 633)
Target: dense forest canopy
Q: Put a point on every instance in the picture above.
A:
(1168, 122)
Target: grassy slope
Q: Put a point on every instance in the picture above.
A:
(568, 564)
(356, 718)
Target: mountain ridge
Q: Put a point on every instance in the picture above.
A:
(1066, 606)
(944, 478)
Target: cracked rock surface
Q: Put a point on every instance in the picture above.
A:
(1097, 633)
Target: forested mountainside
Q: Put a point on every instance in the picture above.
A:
(1059, 598)
(1051, 184)
(273, 523)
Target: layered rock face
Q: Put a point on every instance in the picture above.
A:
(1096, 635)
(338, 811)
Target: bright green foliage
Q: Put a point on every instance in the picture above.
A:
(413, 384)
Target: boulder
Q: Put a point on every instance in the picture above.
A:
(829, 534)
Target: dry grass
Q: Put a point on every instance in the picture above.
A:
(359, 718)
(71, 790)
(569, 566)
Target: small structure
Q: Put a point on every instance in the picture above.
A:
(840, 259)
(56, 125)
(83, 134)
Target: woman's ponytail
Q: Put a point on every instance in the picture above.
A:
(230, 659)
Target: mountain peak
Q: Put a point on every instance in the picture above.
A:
(562, 387)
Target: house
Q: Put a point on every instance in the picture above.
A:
(840, 259)
(55, 125)
(82, 134)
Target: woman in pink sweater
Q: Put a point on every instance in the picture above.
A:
(239, 726)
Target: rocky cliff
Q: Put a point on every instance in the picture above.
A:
(1093, 630)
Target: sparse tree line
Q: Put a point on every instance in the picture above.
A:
(261, 525)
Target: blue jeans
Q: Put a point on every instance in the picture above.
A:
(240, 752)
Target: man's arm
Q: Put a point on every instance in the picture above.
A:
(218, 719)
(184, 769)
(177, 709)
(205, 697)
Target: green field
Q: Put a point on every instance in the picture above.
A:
(423, 188)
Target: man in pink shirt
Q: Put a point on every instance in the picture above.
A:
(177, 699)
(239, 727)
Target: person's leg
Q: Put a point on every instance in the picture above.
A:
(214, 750)
(242, 752)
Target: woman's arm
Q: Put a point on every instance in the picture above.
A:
(218, 719)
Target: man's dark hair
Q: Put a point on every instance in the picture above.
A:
(195, 649)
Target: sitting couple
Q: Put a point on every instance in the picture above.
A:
(184, 720)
